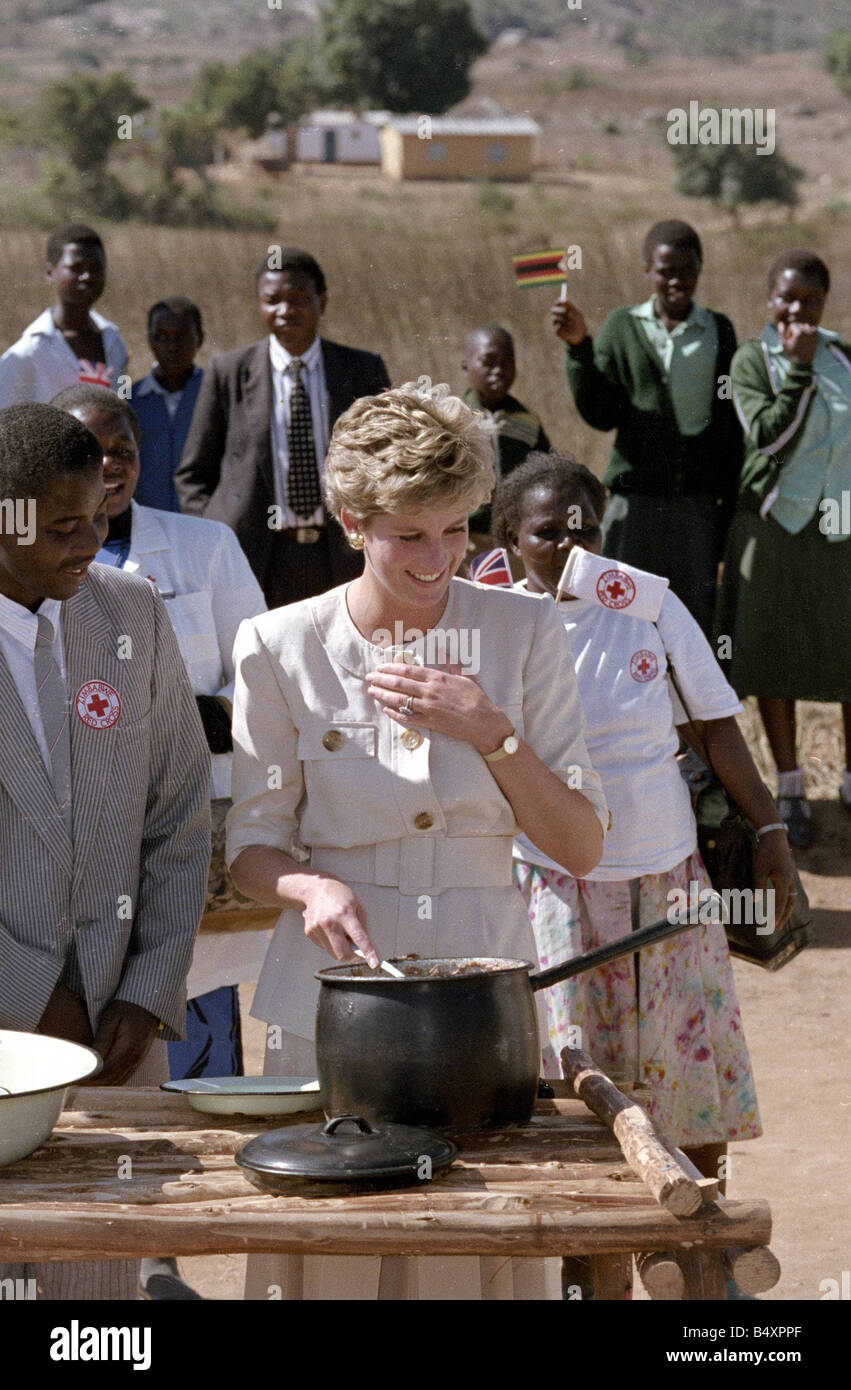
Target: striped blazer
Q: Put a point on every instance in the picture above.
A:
(129, 891)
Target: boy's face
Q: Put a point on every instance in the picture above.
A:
(796, 298)
(489, 363)
(550, 526)
(120, 455)
(290, 308)
(71, 526)
(79, 275)
(673, 273)
(174, 340)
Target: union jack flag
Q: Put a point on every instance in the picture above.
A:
(95, 373)
(492, 568)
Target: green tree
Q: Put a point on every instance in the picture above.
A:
(80, 116)
(837, 60)
(187, 139)
(241, 96)
(402, 55)
(732, 175)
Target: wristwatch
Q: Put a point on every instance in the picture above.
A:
(509, 745)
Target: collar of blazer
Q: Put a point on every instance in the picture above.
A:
(147, 532)
(257, 380)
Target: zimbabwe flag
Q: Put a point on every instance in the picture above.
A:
(540, 268)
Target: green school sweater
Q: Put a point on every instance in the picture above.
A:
(797, 422)
(619, 383)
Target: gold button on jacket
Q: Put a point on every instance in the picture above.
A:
(333, 740)
(423, 821)
(412, 738)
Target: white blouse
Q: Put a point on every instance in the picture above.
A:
(631, 712)
(413, 822)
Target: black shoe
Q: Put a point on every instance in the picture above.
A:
(796, 816)
(166, 1283)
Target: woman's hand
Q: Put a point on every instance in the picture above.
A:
(335, 920)
(445, 701)
(773, 860)
(568, 322)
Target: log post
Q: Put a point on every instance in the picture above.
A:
(754, 1268)
(661, 1275)
(642, 1148)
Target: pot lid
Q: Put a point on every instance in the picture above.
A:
(348, 1148)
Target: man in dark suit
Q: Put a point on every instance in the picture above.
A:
(255, 453)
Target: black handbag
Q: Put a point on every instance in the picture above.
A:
(727, 843)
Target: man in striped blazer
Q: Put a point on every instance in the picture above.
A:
(104, 770)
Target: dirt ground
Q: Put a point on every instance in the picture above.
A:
(797, 1025)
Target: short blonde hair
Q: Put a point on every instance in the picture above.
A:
(413, 447)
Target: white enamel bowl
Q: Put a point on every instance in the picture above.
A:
(34, 1073)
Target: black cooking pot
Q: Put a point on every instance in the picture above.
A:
(453, 1045)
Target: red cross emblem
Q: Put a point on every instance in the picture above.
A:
(98, 705)
(643, 665)
(615, 589)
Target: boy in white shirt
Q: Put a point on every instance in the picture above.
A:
(68, 343)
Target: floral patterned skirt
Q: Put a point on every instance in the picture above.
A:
(667, 1018)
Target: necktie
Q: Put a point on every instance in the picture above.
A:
(304, 494)
(53, 703)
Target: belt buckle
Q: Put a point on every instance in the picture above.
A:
(307, 535)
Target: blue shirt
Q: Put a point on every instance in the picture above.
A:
(162, 438)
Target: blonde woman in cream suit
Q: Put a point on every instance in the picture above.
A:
(366, 786)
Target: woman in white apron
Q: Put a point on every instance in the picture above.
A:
(376, 792)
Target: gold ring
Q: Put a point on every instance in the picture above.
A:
(408, 707)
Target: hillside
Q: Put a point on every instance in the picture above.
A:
(163, 42)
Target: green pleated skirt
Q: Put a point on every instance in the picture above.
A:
(785, 605)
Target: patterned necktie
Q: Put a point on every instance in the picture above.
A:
(304, 494)
(53, 703)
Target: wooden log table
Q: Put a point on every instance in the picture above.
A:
(138, 1172)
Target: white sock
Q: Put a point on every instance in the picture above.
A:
(790, 783)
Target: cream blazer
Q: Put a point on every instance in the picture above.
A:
(414, 823)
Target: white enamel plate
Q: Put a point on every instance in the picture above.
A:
(249, 1095)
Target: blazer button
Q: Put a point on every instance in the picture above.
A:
(411, 739)
(423, 821)
(332, 740)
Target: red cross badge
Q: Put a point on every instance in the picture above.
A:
(98, 705)
(643, 665)
(615, 589)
